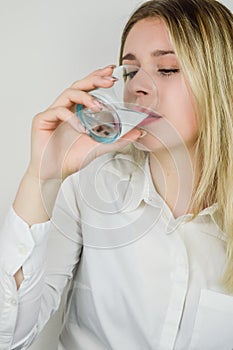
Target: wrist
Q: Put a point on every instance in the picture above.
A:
(35, 198)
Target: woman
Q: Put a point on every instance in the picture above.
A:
(149, 260)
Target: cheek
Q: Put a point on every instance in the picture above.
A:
(189, 131)
(182, 113)
(190, 118)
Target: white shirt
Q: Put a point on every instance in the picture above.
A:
(141, 280)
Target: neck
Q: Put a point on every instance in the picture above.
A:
(174, 174)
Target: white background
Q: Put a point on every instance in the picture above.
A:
(46, 46)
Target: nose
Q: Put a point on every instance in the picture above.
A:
(140, 82)
(141, 89)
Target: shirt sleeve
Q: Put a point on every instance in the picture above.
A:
(48, 253)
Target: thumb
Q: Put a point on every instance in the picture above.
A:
(122, 142)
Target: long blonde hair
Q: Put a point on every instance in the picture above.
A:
(201, 32)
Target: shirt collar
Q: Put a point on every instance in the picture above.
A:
(141, 187)
(135, 174)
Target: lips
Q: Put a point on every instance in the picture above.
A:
(149, 120)
(152, 116)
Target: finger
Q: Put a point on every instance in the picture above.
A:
(51, 118)
(88, 83)
(91, 149)
(73, 96)
(131, 136)
(124, 141)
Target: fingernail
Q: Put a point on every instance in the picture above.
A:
(96, 106)
(111, 78)
(143, 133)
(111, 66)
(97, 103)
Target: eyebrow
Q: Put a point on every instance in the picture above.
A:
(156, 53)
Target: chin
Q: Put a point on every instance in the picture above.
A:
(140, 146)
(149, 143)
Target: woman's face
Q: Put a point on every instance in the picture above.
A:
(148, 46)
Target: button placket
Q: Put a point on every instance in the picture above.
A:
(179, 276)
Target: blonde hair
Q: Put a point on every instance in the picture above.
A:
(201, 32)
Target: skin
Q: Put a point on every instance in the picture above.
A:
(170, 139)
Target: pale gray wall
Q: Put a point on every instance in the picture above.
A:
(45, 46)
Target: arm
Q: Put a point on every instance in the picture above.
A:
(47, 276)
(59, 148)
(47, 266)
(38, 212)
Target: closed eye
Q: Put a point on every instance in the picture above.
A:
(167, 72)
(129, 75)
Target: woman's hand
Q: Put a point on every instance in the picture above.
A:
(60, 147)
(59, 144)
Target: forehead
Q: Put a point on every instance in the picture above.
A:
(147, 34)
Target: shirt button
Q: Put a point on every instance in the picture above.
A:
(13, 301)
(23, 250)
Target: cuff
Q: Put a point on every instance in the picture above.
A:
(18, 240)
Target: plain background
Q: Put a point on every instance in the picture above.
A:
(45, 47)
